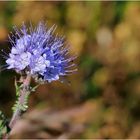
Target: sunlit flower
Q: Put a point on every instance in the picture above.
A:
(40, 53)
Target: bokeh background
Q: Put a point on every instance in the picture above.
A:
(103, 97)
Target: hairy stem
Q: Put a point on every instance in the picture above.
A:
(24, 92)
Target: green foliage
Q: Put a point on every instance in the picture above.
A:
(4, 129)
(33, 89)
(18, 106)
(17, 88)
(24, 106)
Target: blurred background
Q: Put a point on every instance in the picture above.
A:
(103, 99)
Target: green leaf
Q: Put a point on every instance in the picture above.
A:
(34, 88)
(4, 128)
(17, 88)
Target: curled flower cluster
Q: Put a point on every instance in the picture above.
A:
(40, 53)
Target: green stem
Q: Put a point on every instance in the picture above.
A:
(23, 94)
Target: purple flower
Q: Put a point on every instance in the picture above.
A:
(40, 53)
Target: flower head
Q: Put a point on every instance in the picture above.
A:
(40, 53)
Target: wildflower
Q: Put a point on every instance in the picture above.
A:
(40, 53)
